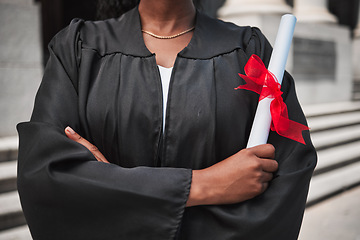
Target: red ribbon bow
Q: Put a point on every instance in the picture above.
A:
(262, 81)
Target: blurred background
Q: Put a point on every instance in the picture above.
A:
(324, 60)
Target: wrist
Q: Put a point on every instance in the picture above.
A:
(198, 189)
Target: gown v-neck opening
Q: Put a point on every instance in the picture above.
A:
(165, 75)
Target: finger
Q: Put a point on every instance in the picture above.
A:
(269, 165)
(267, 177)
(70, 133)
(264, 151)
(265, 185)
(97, 154)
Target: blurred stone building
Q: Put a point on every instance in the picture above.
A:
(324, 58)
(325, 44)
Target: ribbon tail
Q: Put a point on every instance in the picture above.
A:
(283, 125)
(250, 85)
(294, 131)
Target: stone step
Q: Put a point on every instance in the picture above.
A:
(330, 108)
(335, 137)
(8, 176)
(8, 148)
(17, 233)
(326, 122)
(336, 157)
(356, 87)
(356, 96)
(11, 214)
(328, 184)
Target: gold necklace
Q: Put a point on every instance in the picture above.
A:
(168, 37)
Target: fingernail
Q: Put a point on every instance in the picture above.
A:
(70, 130)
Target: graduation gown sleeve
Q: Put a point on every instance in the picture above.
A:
(65, 193)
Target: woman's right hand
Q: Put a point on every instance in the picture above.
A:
(238, 178)
(70, 133)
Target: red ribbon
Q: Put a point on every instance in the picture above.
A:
(262, 81)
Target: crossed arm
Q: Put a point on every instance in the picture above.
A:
(238, 178)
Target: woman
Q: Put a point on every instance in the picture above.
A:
(178, 173)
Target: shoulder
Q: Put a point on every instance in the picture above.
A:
(213, 37)
(68, 36)
(113, 35)
(104, 36)
(223, 29)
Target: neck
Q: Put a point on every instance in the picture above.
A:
(166, 17)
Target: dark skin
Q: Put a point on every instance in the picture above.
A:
(238, 178)
(170, 17)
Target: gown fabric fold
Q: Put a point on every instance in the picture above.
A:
(103, 82)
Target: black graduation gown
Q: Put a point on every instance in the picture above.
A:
(102, 81)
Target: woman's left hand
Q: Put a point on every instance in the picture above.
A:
(70, 133)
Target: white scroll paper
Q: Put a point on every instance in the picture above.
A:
(262, 121)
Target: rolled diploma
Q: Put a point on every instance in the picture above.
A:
(261, 126)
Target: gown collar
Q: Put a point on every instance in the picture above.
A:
(211, 37)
